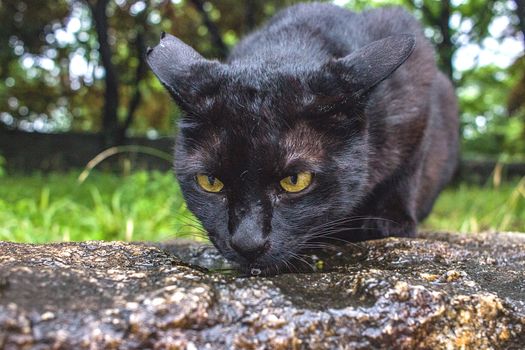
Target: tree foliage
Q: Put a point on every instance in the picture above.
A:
(78, 65)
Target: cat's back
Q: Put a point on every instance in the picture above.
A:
(319, 31)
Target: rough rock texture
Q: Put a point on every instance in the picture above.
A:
(438, 292)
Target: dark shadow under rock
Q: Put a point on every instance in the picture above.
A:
(435, 292)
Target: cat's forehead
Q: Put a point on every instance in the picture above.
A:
(258, 146)
(250, 94)
(303, 142)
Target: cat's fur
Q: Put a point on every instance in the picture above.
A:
(313, 90)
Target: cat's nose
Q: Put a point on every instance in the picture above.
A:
(249, 247)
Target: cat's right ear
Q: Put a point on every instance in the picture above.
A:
(178, 67)
(368, 66)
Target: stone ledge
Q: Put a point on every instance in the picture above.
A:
(439, 291)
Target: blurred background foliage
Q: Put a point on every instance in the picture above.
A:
(77, 66)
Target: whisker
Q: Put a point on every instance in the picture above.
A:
(346, 220)
(299, 257)
(188, 234)
(193, 225)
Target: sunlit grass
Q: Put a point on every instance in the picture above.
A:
(141, 206)
(148, 206)
(470, 208)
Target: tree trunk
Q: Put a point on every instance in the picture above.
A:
(249, 15)
(110, 125)
(446, 47)
(518, 92)
(137, 95)
(520, 12)
(215, 35)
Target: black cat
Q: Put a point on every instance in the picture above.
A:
(323, 122)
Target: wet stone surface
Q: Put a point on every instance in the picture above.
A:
(439, 291)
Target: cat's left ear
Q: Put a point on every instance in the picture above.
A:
(368, 66)
(180, 68)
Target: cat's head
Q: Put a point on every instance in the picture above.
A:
(270, 158)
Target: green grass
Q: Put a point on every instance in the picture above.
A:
(148, 206)
(469, 208)
(141, 206)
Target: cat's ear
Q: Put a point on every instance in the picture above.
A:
(178, 67)
(368, 66)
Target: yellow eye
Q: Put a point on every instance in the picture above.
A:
(296, 182)
(209, 183)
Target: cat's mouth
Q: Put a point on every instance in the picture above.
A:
(262, 267)
(324, 259)
(274, 267)
(276, 260)
(263, 271)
